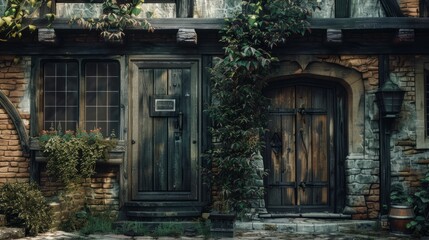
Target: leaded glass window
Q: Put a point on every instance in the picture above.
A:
(81, 94)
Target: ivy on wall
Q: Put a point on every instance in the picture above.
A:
(117, 15)
(239, 109)
(17, 16)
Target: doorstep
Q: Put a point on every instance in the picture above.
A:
(307, 225)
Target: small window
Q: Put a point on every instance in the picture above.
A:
(422, 102)
(426, 79)
(82, 95)
(94, 8)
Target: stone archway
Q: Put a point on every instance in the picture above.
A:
(17, 121)
(360, 183)
(349, 78)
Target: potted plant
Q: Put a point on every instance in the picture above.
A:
(420, 224)
(401, 211)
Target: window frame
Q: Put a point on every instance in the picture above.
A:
(38, 90)
(422, 137)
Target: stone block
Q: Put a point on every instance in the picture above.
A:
(305, 228)
(365, 179)
(355, 201)
(325, 228)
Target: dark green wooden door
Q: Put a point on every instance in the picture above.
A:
(164, 131)
(300, 149)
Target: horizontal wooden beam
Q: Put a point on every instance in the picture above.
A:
(315, 23)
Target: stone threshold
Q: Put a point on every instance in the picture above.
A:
(306, 215)
(307, 225)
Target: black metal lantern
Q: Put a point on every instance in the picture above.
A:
(389, 99)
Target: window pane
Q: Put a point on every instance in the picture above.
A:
(72, 84)
(102, 95)
(72, 99)
(60, 113)
(91, 99)
(102, 99)
(216, 8)
(85, 10)
(158, 10)
(113, 69)
(61, 99)
(112, 84)
(102, 114)
(113, 99)
(60, 94)
(91, 83)
(101, 84)
(91, 114)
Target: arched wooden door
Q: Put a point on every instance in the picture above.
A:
(305, 148)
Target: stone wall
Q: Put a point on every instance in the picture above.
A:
(362, 168)
(407, 162)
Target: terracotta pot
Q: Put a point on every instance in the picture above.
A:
(399, 217)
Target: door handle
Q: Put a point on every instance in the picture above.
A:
(302, 185)
(180, 121)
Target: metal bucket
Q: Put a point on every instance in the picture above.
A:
(399, 217)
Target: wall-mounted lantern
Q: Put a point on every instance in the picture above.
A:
(389, 99)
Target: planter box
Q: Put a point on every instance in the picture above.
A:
(222, 225)
(116, 155)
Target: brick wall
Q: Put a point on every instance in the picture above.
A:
(100, 194)
(14, 79)
(410, 8)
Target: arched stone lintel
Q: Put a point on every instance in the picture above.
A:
(17, 121)
(350, 78)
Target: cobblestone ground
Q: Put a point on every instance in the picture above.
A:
(271, 235)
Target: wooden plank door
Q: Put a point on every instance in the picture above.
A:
(298, 149)
(164, 131)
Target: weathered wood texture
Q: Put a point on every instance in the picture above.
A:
(298, 150)
(47, 35)
(164, 158)
(187, 36)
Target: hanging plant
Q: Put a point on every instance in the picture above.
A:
(116, 17)
(72, 156)
(239, 109)
(17, 17)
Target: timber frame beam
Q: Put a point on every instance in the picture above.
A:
(315, 23)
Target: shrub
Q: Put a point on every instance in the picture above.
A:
(71, 156)
(24, 206)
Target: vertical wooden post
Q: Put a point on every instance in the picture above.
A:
(383, 65)
(184, 8)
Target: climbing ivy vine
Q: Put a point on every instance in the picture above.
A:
(239, 109)
(117, 15)
(115, 18)
(17, 17)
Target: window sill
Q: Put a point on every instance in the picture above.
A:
(116, 155)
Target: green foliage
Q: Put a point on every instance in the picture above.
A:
(75, 221)
(239, 109)
(169, 229)
(71, 156)
(398, 195)
(421, 207)
(24, 206)
(97, 224)
(115, 18)
(17, 15)
(134, 229)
